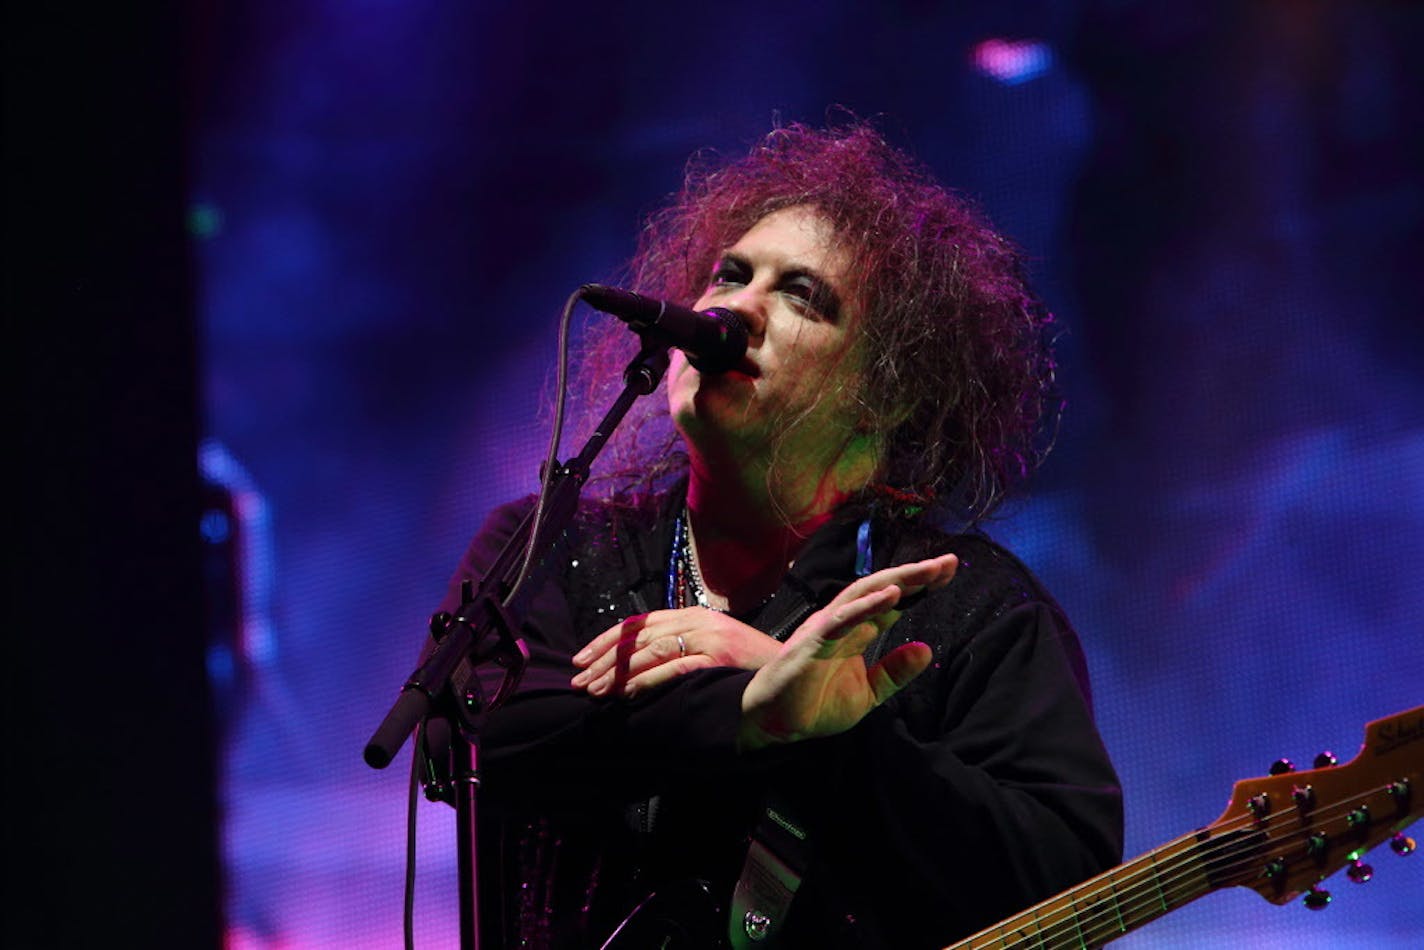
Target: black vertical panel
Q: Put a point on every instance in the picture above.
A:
(110, 816)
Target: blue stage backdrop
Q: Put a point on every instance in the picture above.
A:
(1222, 203)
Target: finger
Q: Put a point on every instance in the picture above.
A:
(648, 649)
(595, 658)
(932, 572)
(602, 664)
(599, 655)
(929, 573)
(838, 620)
(604, 643)
(605, 651)
(627, 645)
(657, 675)
(942, 570)
(915, 579)
(599, 645)
(655, 653)
(897, 668)
(855, 640)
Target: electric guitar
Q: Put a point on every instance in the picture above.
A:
(1281, 835)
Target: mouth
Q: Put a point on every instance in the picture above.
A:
(745, 367)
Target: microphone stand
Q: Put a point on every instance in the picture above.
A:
(485, 629)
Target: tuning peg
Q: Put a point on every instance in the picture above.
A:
(1326, 760)
(1402, 844)
(1318, 899)
(1282, 766)
(1360, 872)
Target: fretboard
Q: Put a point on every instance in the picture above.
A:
(1113, 903)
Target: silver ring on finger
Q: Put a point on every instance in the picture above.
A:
(681, 646)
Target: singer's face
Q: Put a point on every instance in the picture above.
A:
(786, 281)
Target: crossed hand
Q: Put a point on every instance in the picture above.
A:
(817, 683)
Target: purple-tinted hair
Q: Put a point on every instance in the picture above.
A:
(956, 350)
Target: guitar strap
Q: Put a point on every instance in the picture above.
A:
(776, 859)
(779, 850)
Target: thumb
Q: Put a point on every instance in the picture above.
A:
(897, 668)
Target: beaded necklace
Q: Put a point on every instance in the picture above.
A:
(684, 580)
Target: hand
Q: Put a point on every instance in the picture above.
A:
(818, 684)
(652, 648)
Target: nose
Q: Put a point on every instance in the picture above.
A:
(751, 305)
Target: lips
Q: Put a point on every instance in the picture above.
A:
(745, 367)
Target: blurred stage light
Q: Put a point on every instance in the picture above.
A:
(205, 220)
(1011, 61)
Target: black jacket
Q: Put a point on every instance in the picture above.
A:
(979, 789)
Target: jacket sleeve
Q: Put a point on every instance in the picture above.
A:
(556, 743)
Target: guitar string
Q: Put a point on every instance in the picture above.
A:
(1130, 893)
(1099, 920)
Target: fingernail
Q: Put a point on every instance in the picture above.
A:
(581, 657)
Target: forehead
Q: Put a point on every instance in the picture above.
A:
(797, 237)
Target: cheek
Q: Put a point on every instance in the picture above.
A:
(818, 352)
(682, 382)
(829, 378)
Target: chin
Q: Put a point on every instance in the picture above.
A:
(722, 412)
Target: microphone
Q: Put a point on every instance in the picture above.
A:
(714, 340)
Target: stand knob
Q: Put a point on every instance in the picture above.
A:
(1318, 899)
(1402, 844)
(1360, 872)
(1326, 760)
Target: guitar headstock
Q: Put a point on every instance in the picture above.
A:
(1284, 833)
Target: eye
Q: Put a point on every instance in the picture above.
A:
(729, 271)
(811, 296)
(800, 287)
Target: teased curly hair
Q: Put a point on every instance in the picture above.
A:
(958, 367)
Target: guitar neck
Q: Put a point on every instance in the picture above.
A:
(1280, 835)
(1113, 903)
